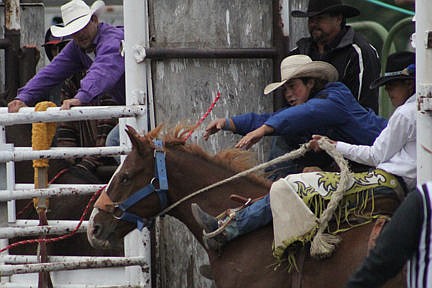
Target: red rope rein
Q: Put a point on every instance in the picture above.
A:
(95, 195)
(203, 117)
(65, 236)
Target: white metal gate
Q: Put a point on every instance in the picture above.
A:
(133, 270)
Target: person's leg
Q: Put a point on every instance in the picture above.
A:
(113, 138)
(279, 147)
(243, 221)
(250, 218)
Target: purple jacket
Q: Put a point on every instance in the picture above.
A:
(105, 74)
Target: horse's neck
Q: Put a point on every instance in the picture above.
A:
(189, 173)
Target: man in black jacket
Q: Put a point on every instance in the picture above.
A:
(331, 40)
(356, 61)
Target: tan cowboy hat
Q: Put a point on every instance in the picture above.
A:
(76, 15)
(299, 66)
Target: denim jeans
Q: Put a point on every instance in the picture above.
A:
(113, 139)
(259, 214)
(279, 147)
(250, 218)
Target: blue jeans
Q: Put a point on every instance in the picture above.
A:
(279, 147)
(250, 218)
(259, 214)
(113, 137)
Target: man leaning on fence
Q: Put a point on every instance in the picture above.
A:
(94, 48)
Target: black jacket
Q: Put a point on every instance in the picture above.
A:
(354, 58)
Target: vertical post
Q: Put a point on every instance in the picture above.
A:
(286, 32)
(12, 32)
(136, 38)
(3, 186)
(424, 89)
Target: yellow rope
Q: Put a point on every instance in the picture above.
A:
(42, 136)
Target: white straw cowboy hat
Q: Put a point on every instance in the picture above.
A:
(299, 66)
(76, 15)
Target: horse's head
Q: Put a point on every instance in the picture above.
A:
(118, 204)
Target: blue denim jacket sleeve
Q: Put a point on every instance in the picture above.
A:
(315, 113)
(248, 122)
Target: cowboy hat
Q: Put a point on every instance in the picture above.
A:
(76, 15)
(317, 7)
(299, 66)
(400, 66)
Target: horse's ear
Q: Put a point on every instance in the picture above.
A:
(134, 137)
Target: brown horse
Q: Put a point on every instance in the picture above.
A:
(244, 262)
(68, 207)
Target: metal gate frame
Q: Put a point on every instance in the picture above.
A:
(139, 105)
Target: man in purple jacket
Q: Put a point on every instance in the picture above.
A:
(94, 49)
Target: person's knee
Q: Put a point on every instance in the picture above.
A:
(113, 138)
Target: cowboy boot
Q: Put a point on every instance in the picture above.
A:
(211, 224)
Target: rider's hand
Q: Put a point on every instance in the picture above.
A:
(253, 137)
(313, 143)
(68, 103)
(214, 127)
(15, 105)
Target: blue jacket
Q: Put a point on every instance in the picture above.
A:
(333, 112)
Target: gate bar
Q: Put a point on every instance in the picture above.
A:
(26, 153)
(24, 191)
(54, 114)
(166, 53)
(12, 232)
(8, 270)
(30, 259)
(19, 285)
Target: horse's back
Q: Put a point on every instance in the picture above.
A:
(248, 262)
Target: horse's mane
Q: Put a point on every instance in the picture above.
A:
(236, 160)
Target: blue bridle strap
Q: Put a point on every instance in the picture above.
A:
(161, 173)
(132, 200)
(161, 177)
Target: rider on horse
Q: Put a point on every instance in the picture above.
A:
(397, 171)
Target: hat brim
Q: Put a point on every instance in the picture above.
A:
(71, 28)
(273, 86)
(345, 10)
(385, 79)
(314, 69)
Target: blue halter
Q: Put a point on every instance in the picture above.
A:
(161, 177)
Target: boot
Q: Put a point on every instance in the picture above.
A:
(209, 224)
